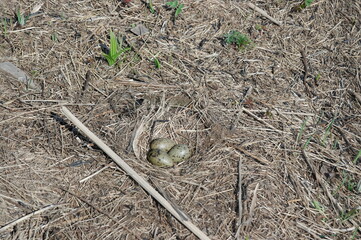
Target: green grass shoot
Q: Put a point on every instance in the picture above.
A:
(327, 131)
(321, 209)
(355, 234)
(150, 6)
(156, 63)
(4, 26)
(317, 206)
(351, 185)
(348, 182)
(346, 215)
(300, 133)
(317, 77)
(357, 157)
(21, 18)
(307, 142)
(54, 37)
(115, 50)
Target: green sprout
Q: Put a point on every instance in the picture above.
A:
(357, 157)
(317, 205)
(150, 6)
(21, 18)
(355, 235)
(346, 215)
(317, 78)
(177, 6)
(4, 24)
(307, 142)
(115, 50)
(54, 37)
(321, 209)
(236, 38)
(303, 5)
(349, 183)
(156, 63)
(300, 133)
(307, 3)
(327, 132)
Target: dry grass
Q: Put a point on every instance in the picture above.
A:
(235, 108)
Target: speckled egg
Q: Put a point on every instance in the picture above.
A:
(163, 144)
(179, 153)
(159, 158)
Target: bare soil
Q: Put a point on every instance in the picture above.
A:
(275, 127)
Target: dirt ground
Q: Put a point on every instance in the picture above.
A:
(274, 126)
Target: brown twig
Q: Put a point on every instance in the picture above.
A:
(259, 159)
(298, 188)
(356, 95)
(307, 84)
(252, 207)
(239, 196)
(134, 140)
(86, 82)
(96, 173)
(144, 84)
(261, 120)
(350, 147)
(305, 67)
(264, 13)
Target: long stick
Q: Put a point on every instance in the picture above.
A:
(9, 225)
(135, 176)
(240, 207)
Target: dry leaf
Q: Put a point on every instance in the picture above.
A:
(139, 30)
